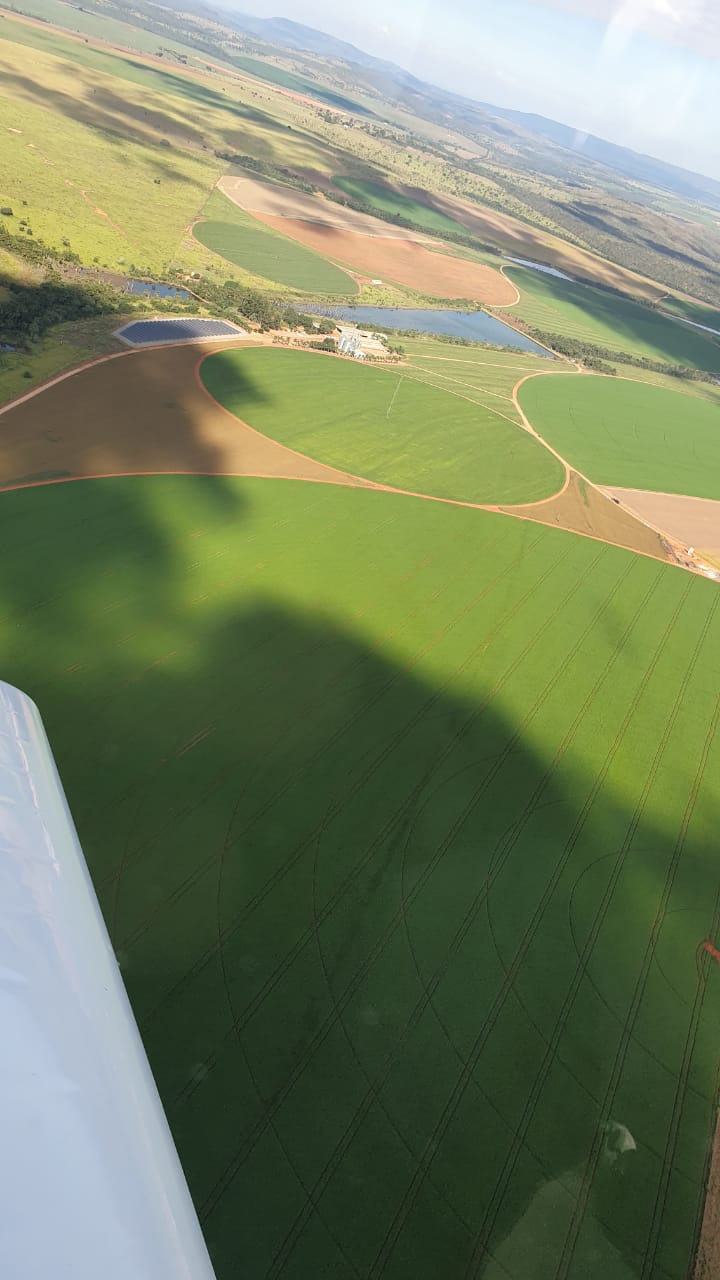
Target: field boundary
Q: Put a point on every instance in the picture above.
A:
(707, 1254)
(340, 476)
(677, 548)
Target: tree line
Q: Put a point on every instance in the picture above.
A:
(597, 358)
(30, 310)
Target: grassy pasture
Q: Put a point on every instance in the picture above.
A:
(240, 239)
(62, 347)
(386, 198)
(421, 823)
(592, 315)
(91, 185)
(225, 113)
(629, 434)
(110, 209)
(382, 425)
(84, 120)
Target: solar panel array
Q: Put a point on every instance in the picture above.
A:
(189, 329)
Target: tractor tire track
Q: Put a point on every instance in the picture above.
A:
(401, 914)
(581, 969)
(400, 736)
(377, 950)
(435, 1138)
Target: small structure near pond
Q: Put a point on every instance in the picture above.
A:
(359, 343)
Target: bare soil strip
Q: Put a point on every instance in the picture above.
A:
(707, 1258)
(146, 413)
(403, 262)
(581, 508)
(693, 521)
(271, 198)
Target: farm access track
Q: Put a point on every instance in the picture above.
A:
(130, 427)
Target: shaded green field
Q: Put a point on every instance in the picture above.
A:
(407, 867)
(629, 434)
(694, 311)
(242, 240)
(386, 198)
(382, 425)
(592, 315)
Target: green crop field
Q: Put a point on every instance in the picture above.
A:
(403, 819)
(477, 373)
(242, 240)
(387, 199)
(382, 425)
(594, 316)
(402, 815)
(629, 434)
(694, 311)
(101, 26)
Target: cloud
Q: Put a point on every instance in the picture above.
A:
(689, 24)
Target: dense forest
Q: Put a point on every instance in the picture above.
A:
(29, 310)
(680, 254)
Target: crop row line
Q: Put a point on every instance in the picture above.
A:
(433, 1141)
(392, 822)
(327, 746)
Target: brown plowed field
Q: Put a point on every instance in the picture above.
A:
(258, 197)
(401, 262)
(693, 521)
(521, 240)
(145, 412)
(582, 509)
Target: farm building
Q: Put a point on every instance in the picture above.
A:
(359, 343)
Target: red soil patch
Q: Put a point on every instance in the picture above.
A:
(144, 412)
(693, 521)
(258, 197)
(400, 262)
(581, 508)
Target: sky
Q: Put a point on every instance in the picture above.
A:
(643, 73)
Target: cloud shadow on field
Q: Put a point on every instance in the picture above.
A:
(347, 899)
(118, 118)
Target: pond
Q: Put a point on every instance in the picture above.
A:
(156, 290)
(476, 326)
(540, 266)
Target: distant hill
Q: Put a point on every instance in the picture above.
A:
(632, 164)
(293, 35)
(433, 102)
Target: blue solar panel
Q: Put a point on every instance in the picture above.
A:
(139, 332)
